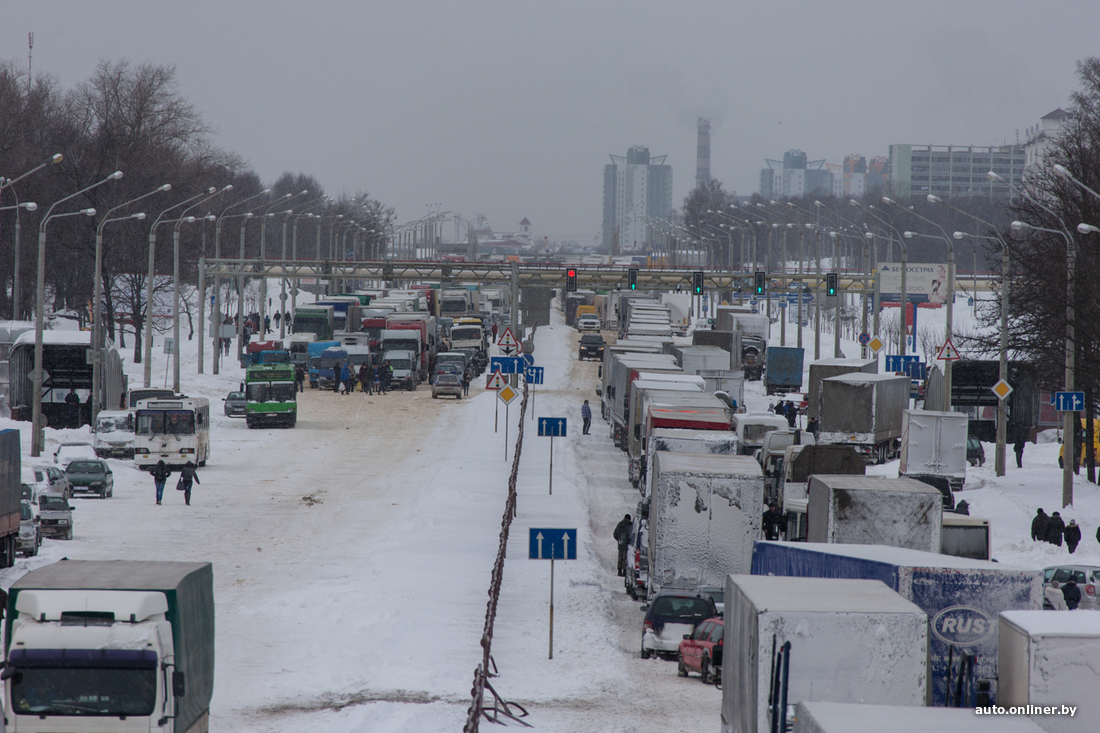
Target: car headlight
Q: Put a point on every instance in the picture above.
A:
(63, 521)
(95, 484)
(141, 451)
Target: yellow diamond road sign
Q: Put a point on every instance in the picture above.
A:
(876, 344)
(1002, 389)
(507, 394)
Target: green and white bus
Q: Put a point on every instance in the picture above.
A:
(270, 396)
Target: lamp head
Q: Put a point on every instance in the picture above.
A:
(852, 202)
(57, 158)
(869, 235)
(265, 192)
(994, 176)
(88, 212)
(30, 206)
(140, 216)
(958, 235)
(888, 200)
(1019, 225)
(1062, 171)
(773, 202)
(1087, 228)
(934, 199)
(909, 235)
(165, 187)
(247, 215)
(760, 205)
(115, 176)
(210, 217)
(189, 219)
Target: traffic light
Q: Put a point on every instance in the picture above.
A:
(758, 279)
(831, 283)
(697, 282)
(632, 278)
(571, 280)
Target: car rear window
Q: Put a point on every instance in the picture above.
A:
(86, 467)
(1063, 575)
(676, 607)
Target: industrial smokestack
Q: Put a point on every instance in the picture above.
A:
(702, 155)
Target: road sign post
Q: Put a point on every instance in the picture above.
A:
(552, 427)
(506, 395)
(552, 544)
(532, 375)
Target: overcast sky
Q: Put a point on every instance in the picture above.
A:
(510, 109)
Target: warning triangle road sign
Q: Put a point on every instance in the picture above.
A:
(506, 338)
(948, 352)
(496, 381)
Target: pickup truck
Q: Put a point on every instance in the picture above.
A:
(591, 347)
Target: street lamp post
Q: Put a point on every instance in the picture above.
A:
(903, 305)
(176, 289)
(267, 213)
(240, 290)
(8, 183)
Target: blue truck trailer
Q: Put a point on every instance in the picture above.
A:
(962, 598)
(313, 358)
(783, 369)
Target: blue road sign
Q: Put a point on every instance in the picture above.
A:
(1069, 401)
(898, 362)
(782, 304)
(533, 374)
(552, 427)
(864, 338)
(507, 364)
(530, 359)
(553, 544)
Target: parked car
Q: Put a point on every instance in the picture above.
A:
(66, 453)
(975, 453)
(29, 537)
(235, 404)
(113, 434)
(56, 517)
(701, 651)
(716, 593)
(92, 476)
(52, 480)
(449, 384)
(588, 322)
(448, 367)
(669, 615)
(1087, 578)
(591, 347)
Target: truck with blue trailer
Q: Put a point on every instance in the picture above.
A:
(110, 645)
(962, 598)
(313, 358)
(783, 369)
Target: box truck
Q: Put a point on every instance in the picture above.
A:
(872, 510)
(934, 444)
(825, 368)
(783, 369)
(863, 410)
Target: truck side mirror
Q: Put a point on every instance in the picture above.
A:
(179, 687)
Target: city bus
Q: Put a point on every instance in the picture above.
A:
(270, 396)
(173, 430)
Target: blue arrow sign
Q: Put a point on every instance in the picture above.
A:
(533, 374)
(1069, 401)
(507, 364)
(530, 359)
(899, 362)
(553, 544)
(552, 427)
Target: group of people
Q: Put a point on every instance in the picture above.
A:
(370, 378)
(788, 410)
(188, 477)
(1053, 529)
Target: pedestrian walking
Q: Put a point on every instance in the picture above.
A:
(1018, 446)
(1072, 534)
(772, 522)
(1072, 594)
(73, 401)
(384, 377)
(1055, 529)
(287, 319)
(187, 475)
(1039, 526)
(792, 414)
(622, 536)
(1053, 594)
(267, 325)
(278, 315)
(586, 416)
(812, 427)
(366, 377)
(160, 472)
(494, 330)
(300, 378)
(466, 378)
(345, 378)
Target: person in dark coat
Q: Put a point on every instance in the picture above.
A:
(186, 477)
(622, 536)
(466, 379)
(1072, 594)
(366, 377)
(337, 373)
(73, 401)
(1072, 534)
(160, 472)
(812, 427)
(792, 413)
(586, 417)
(1039, 526)
(773, 522)
(1018, 446)
(347, 375)
(1055, 529)
(300, 378)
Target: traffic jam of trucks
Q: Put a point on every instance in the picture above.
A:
(773, 519)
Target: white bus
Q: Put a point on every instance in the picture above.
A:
(172, 430)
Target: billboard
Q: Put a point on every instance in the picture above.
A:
(925, 282)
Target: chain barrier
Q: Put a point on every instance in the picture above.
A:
(499, 706)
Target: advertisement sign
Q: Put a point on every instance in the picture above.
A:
(925, 282)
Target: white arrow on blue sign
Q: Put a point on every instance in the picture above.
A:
(552, 427)
(507, 364)
(530, 359)
(552, 544)
(533, 374)
(1069, 401)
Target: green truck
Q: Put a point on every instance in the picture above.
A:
(270, 396)
(90, 641)
(315, 319)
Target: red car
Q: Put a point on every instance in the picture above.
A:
(701, 651)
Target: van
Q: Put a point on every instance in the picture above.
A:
(113, 434)
(751, 427)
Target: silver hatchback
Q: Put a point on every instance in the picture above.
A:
(449, 384)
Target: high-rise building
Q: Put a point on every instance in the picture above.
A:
(702, 153)
(954, 170)
(1040, 136)
(850, 180)
(634, 187)
(794, 176)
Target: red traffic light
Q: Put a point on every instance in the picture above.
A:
(571, 273)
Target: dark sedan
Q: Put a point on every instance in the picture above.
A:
(235, 404)
(92, 476)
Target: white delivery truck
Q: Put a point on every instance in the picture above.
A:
(872, 510)
(934, 444)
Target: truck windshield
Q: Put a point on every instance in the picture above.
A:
(756, 433)
(328, 362)
(452, 305)
(270, 392)
(400, 364)
(466, 333)
(165, 422)
(93, 682)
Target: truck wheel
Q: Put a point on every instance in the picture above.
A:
(34, 550)
(435, 396)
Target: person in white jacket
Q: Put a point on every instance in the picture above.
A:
(1053, 594)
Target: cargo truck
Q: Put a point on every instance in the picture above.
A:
(455, 302)
(865, 411)
(10, 494)
(872, 510)
(751, 427)
(965, 536)
(783, 369)
(934, 444)
(789, 640)
(298, 345)
(313, 359)
(728, 340)
(962, 598)
(315, 319)
(799, 463)
(421, 323)
(825, 368)
(697, 359)
(704, 514)
(345, 311)
(110, 645)
(679, 309)
(408, 340)
(661, 408)
(624, 370)
(682, 440)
